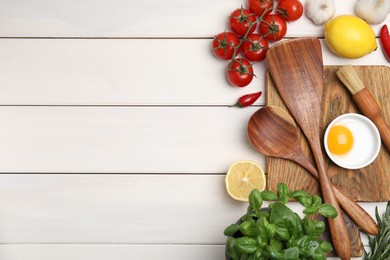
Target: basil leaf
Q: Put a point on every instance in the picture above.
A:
(310, 210)
(282, 233)
(267, 231)
(319, 256)
(263, 213)
(327, 210)
(326, 247)
(299, 193)
(302, 197)
(276, 244)
(230, 230)
(261, 242)
(272, 253)
(248, 228)
(309, 246)
(251, 257)
(319, 227)
(255, 200)
(308, 226)
(230, 248)
(291, 242)
(283, 192)
(317, 201)
(244, 257)
(246, 245)
(269, 195)
(258, 254)
(290, 254)
(250, 214)
(313, 227)
(285, 219)
(304, 201)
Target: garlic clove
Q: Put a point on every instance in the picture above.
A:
(372, 11)
(320, 11)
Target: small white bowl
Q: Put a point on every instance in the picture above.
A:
(367, 141)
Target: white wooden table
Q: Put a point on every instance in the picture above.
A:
(115, 128)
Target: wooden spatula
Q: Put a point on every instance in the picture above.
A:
(297, 70)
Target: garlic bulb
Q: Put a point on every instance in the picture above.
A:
(320, 11)
(373, 11)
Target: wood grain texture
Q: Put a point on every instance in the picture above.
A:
(296, 67)
(108, 72)
(112, 208)
(116, 72)
(117, 252)
(110, 252)
(369, 107)
(122, 18)
(367, 184)
(123, 139)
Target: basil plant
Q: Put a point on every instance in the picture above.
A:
(277, 232)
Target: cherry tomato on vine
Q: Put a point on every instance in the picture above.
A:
(273, 27)
(224, 44)
(259, 7)
(239, 73)
(290, 10)
(240, 20)
(255, 47)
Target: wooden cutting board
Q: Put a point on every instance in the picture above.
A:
(371, 183)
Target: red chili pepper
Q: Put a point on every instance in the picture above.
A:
(248, 99)
(385, 41)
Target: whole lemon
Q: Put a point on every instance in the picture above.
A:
(350, 37)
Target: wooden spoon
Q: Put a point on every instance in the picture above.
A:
(272, 132)
(297, 70)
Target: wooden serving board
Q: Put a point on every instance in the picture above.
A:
(371, 183)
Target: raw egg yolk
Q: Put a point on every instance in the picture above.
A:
(340, 140)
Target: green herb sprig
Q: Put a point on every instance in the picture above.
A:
(380, 244)
(278, 232)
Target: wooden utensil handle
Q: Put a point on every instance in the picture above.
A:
(370, 108)
(338, 229)
(355, 212)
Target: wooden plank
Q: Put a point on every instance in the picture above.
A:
(138, 209)
(366, 184)
(118, 252)
(126, 72)
(91, 18)
(123, 139)
(116, 72)
(109, 252)
(115, 209)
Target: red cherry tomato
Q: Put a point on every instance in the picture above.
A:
(239, 73)
(259, 7)
(273, 27)
(255, 47)
(224, 44)
(290, 10)
(241, 20)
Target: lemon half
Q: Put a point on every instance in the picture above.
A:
(242, 177)
(350, 37)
